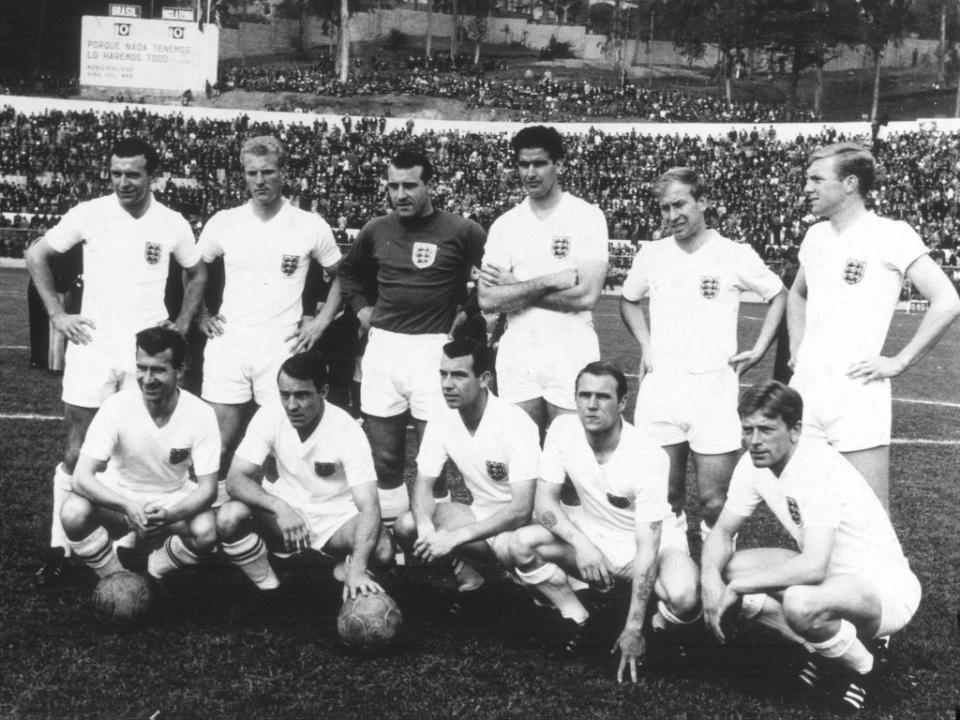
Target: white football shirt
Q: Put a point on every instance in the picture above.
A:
(529, 247)
(266, 263)
(695, 299)
(146, 458)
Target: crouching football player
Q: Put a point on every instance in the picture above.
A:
(325, 497)
(134, 467)
(624, 527)
(496, 448)
(848, 584)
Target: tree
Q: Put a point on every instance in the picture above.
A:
(478, 27)
(734, 25)
(882, 22)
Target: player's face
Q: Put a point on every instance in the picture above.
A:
(409, 194)
(130, 181)
(824, 189)
(539, 174)
(264, 179)
(301, 400)
(597, 403)
(770, 441)
(682, 213)
(461, 387)
(157, 377)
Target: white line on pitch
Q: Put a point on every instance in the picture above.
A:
(29, 416)
(14, 347)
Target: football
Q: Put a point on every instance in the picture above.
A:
(122, 599)
(369, 621)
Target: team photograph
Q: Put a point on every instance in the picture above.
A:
(357, 363)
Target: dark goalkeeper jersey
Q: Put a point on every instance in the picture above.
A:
(419, 267)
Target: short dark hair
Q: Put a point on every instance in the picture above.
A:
(538, 136)
(477, 352)
(602, 368)
(773, 399)
(685, 176)
(851, 159)
(154, 340)
(133, 146)
(307, 366)
(411, 158)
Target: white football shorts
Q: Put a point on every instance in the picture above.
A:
(402, 372)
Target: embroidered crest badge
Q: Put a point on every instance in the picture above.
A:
(794, 510)
(152, 252)
(424, 254)
(324, 469)
(618, 501)
(560, 246)
(178, 455)
(709, 286)
(853, 270)
(497, 470)
(289, 264)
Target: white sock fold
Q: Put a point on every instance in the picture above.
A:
(846, 648)
(394, 502)
(550, 580)
(170, 556)
(249, 553)
(96, 551)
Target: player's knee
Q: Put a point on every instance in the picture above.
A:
(231, 518)
(405, 528)
(712, 504)
(384, 552)
(683, 601)
(203, 532)
(76, 516)
(801, 610)
(522, 547)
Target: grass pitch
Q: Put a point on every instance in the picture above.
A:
(197, 660)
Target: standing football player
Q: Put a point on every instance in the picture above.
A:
(689, 364)
(127, 238)
(623, 528)
(852, 268)
(421, 259)
(848, 584)
(545, 264)
(325, 496)
(496, 448)
(134, 469)
(266, 245)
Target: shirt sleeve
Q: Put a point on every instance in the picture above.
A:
(325, 250)
(69, 231)
(206, 446)
(209, 245)
(753, 274)
(356, 455)
(551, 459)
(636, 286)
(653, 471)
(742, 495)
(185, 249)
(496, 251)
(820, 503)
(594, 244)
(103, 435)
(901, 246)
(476, 242)
(432, 453)
(258, 440)
(355, 264)
(523, 448)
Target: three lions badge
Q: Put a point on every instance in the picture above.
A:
(853, 270)
(497, 471)
(324, 469)
(152, 252)
(618, 501)
(178, 455)
(289, 264)
(423, 254)
(560, 246)
(794, 511)
(709, 286)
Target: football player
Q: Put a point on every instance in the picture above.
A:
(623, 528)
(496, 448)
(325, 496)
(135, 464)
(848, 584)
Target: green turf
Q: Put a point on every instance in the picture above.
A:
(194, 661)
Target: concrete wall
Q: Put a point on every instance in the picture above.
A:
(254, 40)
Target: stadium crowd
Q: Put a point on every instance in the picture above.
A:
(50, 161)
(532, 98)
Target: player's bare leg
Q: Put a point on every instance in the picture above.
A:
(539, 558)
(450, 516)
(243, 544)
(232, 420)
(440, 490)
(536, 408)
(388, 438)
(677, 482)
(76, 420)
(678, 589)
(713, 480)
(874, 465)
